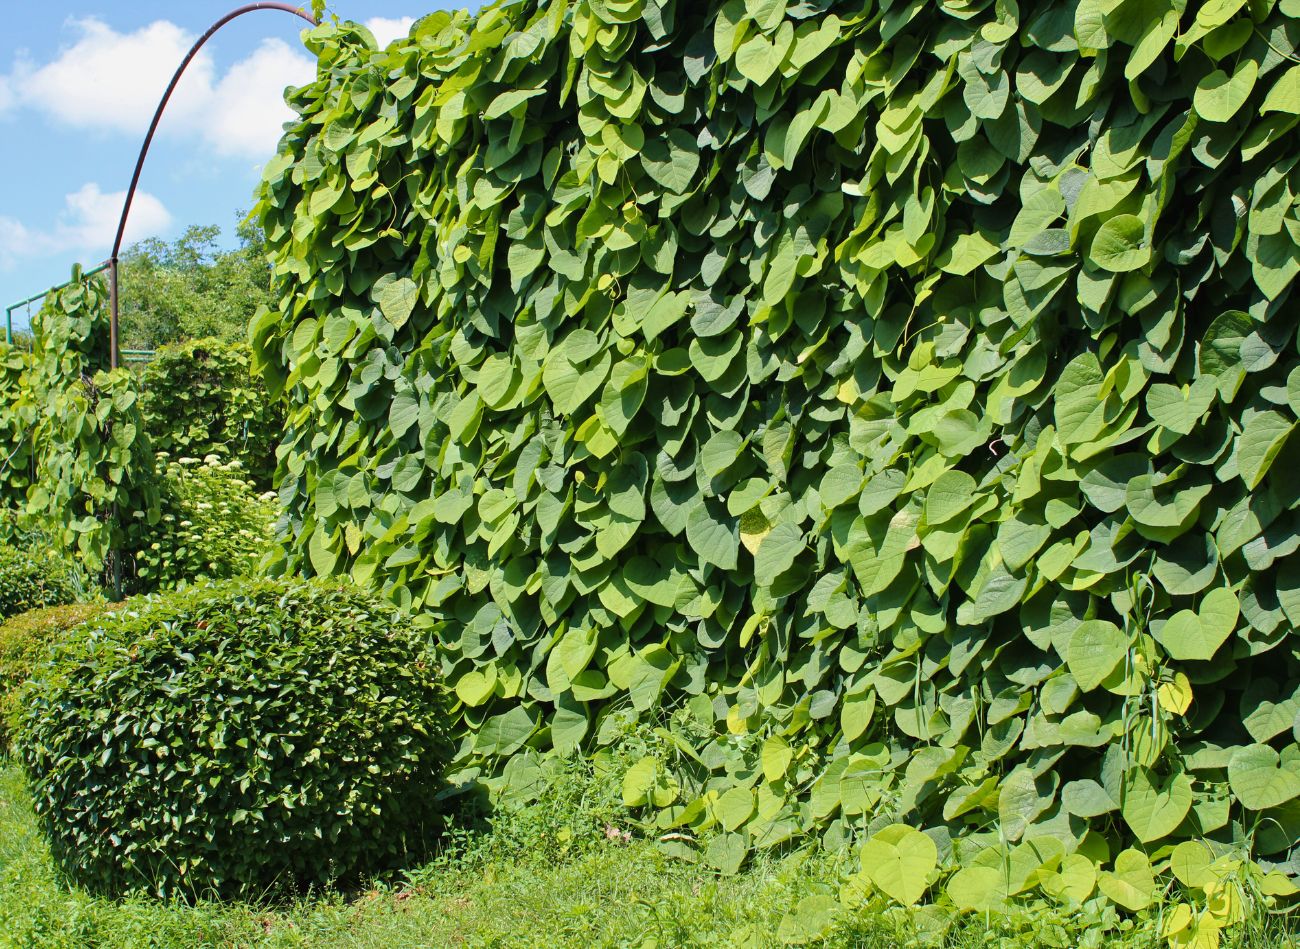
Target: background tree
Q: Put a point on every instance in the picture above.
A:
(190, 288)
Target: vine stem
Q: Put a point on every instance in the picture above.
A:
(1269, 44)
(148, 140)
(114, 349)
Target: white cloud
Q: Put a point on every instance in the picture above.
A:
(90, 219)
(386, 30)
(86, 225)
(247, 109)
(15, 242)
(112, 81)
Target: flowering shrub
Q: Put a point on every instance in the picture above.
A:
(214, 524)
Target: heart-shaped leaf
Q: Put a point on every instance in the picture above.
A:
(1260, 779)
(1096, 649)
(574, 370)
(899, 860)
(1153, 806)
(1198, 635)
(397, 301)
(1131, 884)
(1119, 244)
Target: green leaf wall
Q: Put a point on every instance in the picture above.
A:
(17, 412)
(891, 400)
(198, 398)
(95, 488)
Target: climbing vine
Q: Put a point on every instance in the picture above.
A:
(95, 490)
(892, 402)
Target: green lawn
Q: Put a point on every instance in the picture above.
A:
(616, 895)
(503, 889)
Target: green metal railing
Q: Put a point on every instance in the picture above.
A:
(9, 311)
(128, 355)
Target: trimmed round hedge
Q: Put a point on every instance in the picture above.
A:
(24, 640)
(236, 739)
(31, 579)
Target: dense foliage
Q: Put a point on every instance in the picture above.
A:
(198, 399)
(90, 435)
(235, 738)
(24, 640)
(69, 338)
(95, 490)
(895, 399)
(16, 414)
(214, 525)
(32, 578)
(191, 289)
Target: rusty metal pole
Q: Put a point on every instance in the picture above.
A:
(114, 355)
(148, 140)
(114, 555)
(112, 308)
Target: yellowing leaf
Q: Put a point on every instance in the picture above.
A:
(638, 782)
(1175, 695)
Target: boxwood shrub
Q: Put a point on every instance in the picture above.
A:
(31, 578)
(236, 739)
(24, 640)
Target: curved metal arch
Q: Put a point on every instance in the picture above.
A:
(148, 140)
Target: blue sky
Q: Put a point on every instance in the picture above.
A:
(79, 80)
